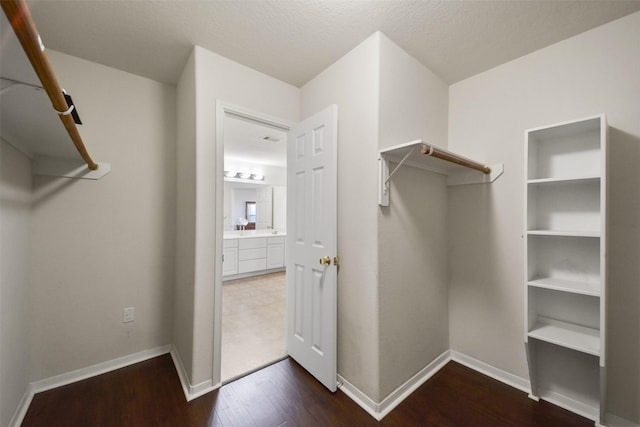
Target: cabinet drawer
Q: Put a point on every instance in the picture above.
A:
(252, 265)
(275, 240)
(246, 254)
(230, 243)
(256, 242)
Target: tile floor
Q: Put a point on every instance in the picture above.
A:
(253, 323)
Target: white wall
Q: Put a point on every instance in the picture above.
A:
(413, 100)
(597, 71)
(99, 246)
(352, 84)
(15, 218)
(216, 78)
(412, 254)
(185, 214)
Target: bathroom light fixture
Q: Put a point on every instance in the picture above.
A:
(244, 175)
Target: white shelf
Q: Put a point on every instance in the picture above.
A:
(583, 288)
(566, 149)
(409, 154)
(575, 337)
(566, 233)
(565, 205)
(564, 179)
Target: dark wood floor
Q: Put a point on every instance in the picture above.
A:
(149, 394)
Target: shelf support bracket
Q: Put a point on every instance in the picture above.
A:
(384, 176)
(404, 159)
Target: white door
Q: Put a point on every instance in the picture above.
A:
(312, 244)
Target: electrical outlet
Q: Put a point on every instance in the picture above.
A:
(128, 314)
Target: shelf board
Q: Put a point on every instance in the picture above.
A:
(568, 233)
(452, 170)
(585, 125)
(420, 161)
(575, 337)
(564, 179)
(583, 288)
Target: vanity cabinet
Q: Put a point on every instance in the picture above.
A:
(248, 256)
(252, 254)
(275, 252)
(230, 257)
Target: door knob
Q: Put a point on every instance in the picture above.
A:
(325, 260)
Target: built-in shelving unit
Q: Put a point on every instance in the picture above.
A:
(459, 170)
(565, 254)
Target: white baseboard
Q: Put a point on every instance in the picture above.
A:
(380, 410)
(524, 385)
(360, 398)
(79, 375)
(569, 404)
(401, 393)
(190, 391)
(491, 371)
(97, 369)
(376, 410)
(21, 410)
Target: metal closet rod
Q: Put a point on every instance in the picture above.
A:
(432, 151)
(20, 19)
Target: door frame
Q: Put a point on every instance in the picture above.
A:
(222, 109)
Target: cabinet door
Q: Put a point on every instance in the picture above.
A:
(275, 256)
(230, 263)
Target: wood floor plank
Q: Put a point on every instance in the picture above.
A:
(259, 409)
(284, 394)
(286, 399)
(324, 407)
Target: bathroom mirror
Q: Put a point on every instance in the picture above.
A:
(241, 199)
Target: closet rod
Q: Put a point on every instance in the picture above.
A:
(430, 150)
(20, 19)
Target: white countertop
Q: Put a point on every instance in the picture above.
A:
(247, 234)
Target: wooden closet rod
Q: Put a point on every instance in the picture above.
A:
(20, 19)
(432, 151)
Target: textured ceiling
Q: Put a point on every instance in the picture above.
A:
(295, 40)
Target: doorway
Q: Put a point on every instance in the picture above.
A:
(250, 330)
